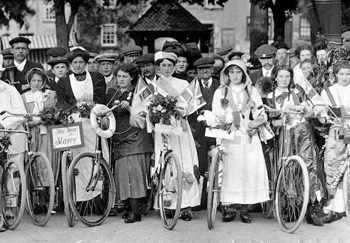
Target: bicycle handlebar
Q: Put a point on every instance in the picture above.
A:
(19, 114)
(117, 104)
(13, 131)
(269, 109)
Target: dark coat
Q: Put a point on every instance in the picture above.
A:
(65, 95)
(127, 140)
(254, 76)
(20, 76)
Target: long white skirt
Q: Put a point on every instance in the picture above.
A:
(245, 179)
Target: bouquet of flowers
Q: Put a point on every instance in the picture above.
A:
(162, 108)
(85, 109)
(5, 142)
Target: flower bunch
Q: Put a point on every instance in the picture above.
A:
(85, 109)
(55, 116)
(162, 108)
(320, 76)
(5, 142)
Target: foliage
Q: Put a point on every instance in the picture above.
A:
(5, 142)
(322, 75)
(162, 109)
(14, 10)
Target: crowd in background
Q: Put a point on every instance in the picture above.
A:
(232, 84)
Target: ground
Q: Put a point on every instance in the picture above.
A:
(150, 229)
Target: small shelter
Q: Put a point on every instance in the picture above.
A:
(169, 19)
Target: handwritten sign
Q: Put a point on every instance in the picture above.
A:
(66, 136)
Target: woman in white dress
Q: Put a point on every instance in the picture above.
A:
(183, 146)
(245, 178)
(337, 97)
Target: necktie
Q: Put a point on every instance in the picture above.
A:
(206, 84)
(267, 73)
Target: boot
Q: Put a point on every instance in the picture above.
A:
(311, 215)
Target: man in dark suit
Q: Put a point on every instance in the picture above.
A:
(208, 85)
(15, 74)
(266, 55)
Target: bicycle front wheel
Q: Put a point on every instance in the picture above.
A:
(170, 191)
(346, 193)
(292, 194)
(40, 189)
(213, 191)
(13, 194)
(91, 189)
(64, 169)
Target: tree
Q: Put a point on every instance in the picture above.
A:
(14, 10)
(279, 9)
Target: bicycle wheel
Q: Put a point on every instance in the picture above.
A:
(64, 169)
(292, 194)
(346, 193)
(213, 191)
(91, 189)
(13, 194)
(170, 191)
(40, 189)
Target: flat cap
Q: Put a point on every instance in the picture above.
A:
(132, 50)
(345, 35)
(235, 53)
(111, 57)
(57, 60)
(224, 50)
(7, 53)
(165, 55)
(265, 51)
(204, 62)
(147, 58)
(281, 45)
(92, 54)
(19, 39)
(56, 52)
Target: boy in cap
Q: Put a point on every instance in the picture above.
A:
(131, 53)
(54, 53)
(281, 53)
(21, 65)
(8, 57)
(208, 85)
(106, 62)
(147, 67)
(266, 55)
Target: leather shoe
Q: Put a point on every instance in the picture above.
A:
(245, 218)
(331, 217)
(228, 217)
(133, 217)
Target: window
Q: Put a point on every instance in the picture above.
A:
(109, 35)
(211, 6)
(228, 37)
(49, 12)
(304, 28)
(270, 28)
(108, 3)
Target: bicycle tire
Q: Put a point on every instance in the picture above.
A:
(170, 191)
(291, 200)
(64, 169)
(213, 191)
(93, 207)
(20, 195)
(346, 194)
(40, 198)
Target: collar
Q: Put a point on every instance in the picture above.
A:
(20, 66)
(210, 81)
(109, 78)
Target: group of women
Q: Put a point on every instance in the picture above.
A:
(236, 102)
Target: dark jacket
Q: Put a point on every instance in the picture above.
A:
(65, 95)
(254, 76)
(19, 76)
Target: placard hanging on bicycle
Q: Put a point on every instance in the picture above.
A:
(66, 136)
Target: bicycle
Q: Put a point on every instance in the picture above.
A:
(91, 186)
(290, 188)
(13, 186)
(169, 183)
(40, 185)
